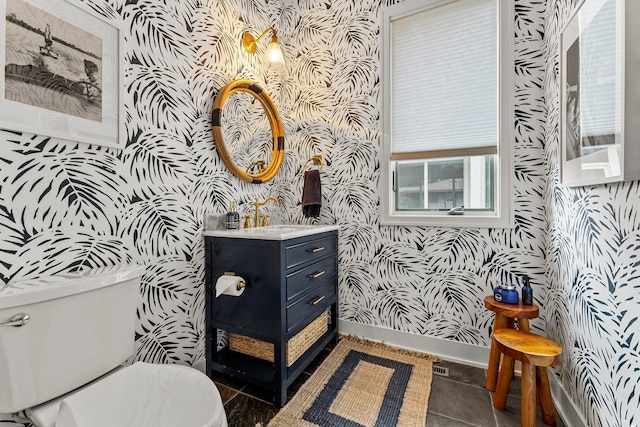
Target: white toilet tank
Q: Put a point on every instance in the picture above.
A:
(81, 325)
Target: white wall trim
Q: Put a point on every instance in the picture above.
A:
(465, 354)
(565, 406)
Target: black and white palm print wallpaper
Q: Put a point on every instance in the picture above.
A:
(68, 205)
(592, 270)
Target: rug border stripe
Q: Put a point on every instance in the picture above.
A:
(390, 407)
(415, 401)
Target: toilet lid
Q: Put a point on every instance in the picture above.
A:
(146, 395)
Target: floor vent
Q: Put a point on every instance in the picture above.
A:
(439, 370)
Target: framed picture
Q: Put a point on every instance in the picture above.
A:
(598, 93)
(62, 72)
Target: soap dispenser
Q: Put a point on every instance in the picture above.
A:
(232, 219)
(527, 292)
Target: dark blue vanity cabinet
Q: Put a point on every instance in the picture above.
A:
(289, 283)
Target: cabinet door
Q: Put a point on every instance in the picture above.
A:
(258, 263)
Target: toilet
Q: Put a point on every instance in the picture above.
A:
(63, 340)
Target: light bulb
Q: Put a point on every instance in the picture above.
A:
(274, 52)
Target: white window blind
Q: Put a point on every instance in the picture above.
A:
(600, 57)
(449, 101)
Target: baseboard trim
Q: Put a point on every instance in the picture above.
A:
(565, 406)
(466, 354)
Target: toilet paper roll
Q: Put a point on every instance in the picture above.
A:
(230, 285)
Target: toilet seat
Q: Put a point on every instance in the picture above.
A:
(142, 395)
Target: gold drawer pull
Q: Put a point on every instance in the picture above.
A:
(313, 251)
(317, 300)
(316, 275)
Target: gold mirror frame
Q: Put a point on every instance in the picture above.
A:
(277, 131)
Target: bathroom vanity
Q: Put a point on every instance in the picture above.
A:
(287, 312)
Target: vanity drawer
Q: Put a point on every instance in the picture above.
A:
(301, 253)
(300, 281)
(314, 302)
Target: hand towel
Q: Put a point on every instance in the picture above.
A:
(311, 194)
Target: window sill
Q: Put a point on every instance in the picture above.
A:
(468, 220)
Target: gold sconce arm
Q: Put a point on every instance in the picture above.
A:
(274, 52)
(250, 43)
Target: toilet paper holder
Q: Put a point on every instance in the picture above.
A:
(240, 284)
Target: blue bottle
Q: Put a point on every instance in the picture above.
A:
(527, 292)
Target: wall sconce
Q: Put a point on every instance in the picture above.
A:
(274, 52)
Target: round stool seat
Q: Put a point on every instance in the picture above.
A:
(518, 311)
(536, 354)
(528, 347)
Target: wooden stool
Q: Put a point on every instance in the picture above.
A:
(536, 353)
(505, 313)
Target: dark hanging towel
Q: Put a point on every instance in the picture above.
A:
(311, 194)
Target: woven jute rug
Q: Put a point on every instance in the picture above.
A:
(363, 384)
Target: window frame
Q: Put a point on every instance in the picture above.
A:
(504, 216)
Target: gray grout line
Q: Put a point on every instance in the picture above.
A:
(463, 383)
(493, 410)
(454, 419)
(495, 415)
(255, 397)
(230, 388)
(230, 399)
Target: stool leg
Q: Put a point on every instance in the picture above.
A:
(523, 325)
(494, 355)
(544, 395)
(528, 395)
(504, 381)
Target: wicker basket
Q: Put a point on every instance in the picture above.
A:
(296, 346)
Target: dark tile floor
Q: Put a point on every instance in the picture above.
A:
(457, 400)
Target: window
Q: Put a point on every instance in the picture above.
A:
(442, 184)
(447, 114)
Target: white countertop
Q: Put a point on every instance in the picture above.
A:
(272, 232)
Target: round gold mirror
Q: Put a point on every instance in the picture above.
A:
(239, 130)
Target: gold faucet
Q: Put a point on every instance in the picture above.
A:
(257, 204)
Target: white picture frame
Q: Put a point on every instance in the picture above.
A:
(599, 99)
(62, 72)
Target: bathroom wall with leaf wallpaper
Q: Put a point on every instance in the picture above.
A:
(593, 300)
(67, 205)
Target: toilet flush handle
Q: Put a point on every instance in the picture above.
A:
(20, 319)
